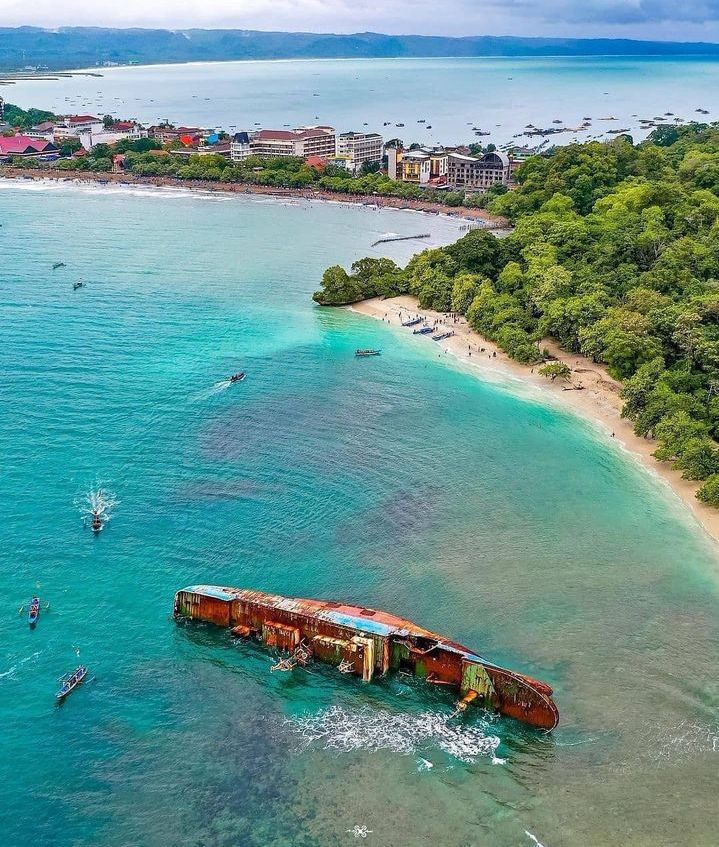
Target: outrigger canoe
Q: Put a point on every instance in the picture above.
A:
(363, 353)
(33, 612)
(70, 683)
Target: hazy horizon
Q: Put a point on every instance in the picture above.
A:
(646, 20)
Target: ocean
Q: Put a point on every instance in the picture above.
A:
(403, 482)
(498, 96)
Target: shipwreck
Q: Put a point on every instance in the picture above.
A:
(367, 643)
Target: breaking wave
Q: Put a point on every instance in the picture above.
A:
(338, 729)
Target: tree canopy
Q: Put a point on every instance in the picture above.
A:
(615, 253)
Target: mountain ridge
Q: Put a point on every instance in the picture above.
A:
(65, 48)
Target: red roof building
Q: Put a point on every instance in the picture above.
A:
(22, 145)
(317, 163)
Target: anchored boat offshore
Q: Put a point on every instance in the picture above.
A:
(367, 643)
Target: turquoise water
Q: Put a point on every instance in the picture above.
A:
(499, 95)
(401, 482)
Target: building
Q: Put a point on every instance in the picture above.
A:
(127, 129)
(471, 174)
(45, 130)
(221, 148)
(341, 162)
(317, 163)
(360, 147)
(425, 166)
(119, 131)
(167, 134)
(301, 142)
(518, 156)
(26, 147)
(240, 147)
(72, 126)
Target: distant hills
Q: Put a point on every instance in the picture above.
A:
(77, 47)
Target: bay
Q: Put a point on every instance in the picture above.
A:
(498, 95)
(402, 482)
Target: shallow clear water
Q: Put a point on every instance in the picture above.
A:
(401, 482)
(500, 96)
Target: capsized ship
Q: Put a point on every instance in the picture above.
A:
(367, 643)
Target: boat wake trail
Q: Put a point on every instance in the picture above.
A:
(98, 501)
(210, 392)
(338, 729)
(11, 671)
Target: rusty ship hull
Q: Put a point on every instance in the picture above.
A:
(368, 643)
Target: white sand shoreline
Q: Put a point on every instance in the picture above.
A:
(599, 403)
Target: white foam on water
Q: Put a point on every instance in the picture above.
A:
(683, 741)
(96, 501)
(11, 671)
(343, 730)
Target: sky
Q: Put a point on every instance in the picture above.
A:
(676, 20)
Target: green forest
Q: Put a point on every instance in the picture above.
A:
(615, 254)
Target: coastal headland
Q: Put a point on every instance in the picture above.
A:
(489, 221)
(597, 400)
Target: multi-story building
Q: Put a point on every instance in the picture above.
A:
(240, 147)
(119, 131)
(359, 147)
(471, 174)
(301, 142)
(72, 126)
(422, 166)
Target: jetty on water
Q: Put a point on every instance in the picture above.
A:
(400, 238)
(367, 643)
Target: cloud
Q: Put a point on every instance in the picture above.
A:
(618, 12)
(667, 19)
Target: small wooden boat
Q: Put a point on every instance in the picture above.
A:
(77, 285)
(33, 612)
(70, 682)
(412, 322)
(425, 330)
(443, 335)
(364, 353)
(58, 265)
(238, 377)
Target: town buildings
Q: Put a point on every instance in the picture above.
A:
(302, 142)
(356, 148)
(440, 168)
(469, 173)
(166, 133)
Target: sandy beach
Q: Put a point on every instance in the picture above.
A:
(489, 221)
(599, 401)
